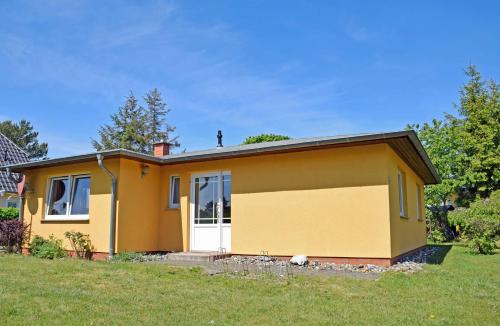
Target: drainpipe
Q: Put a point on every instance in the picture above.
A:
(112, 214)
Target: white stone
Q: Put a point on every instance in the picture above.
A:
(300, 260)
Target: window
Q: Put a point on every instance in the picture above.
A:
(12, 204)
(226, 199)
(419, 203)
(68, 197)
(402, 193)
(175, 183)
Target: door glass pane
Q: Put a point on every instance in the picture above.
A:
(81, 196)
(205, 200)
(226, 198)
(58, 200)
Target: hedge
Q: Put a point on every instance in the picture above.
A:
(10, 213)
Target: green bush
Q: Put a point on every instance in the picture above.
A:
(80, 243)
(50, 248)
(457, 219)
(482, 224)
(437, 235)
(8, 213)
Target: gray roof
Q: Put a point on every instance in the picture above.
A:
(411, 145)
(10, 154)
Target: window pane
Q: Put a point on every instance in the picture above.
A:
(226, 199)
(175, 190)
(81, 196)
(12, 204)
(419, 213)
(400, 189)
(205, 200)
(58, 201)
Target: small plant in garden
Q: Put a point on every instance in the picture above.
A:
(9, 213)
(13, 234)
(127, 257)
(50, 248)
(80, 243)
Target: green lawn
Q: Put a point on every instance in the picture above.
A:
(464, 289)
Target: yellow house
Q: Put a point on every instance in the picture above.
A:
(356, 198)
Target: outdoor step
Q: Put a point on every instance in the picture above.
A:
(196, 256)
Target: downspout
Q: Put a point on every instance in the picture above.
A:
(112, 213)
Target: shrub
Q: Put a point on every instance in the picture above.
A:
(50, 248)
(482, 224)
(9, 213)
(13, 234)
(80, 243)
(437, 235)
(457, 219)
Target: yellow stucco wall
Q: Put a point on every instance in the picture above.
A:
(332, 202)
(340, 202)
(407, 232)
(138, 207)
(98, 224)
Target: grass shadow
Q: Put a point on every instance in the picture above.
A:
(439, 256)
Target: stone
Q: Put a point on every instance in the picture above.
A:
(300, 260)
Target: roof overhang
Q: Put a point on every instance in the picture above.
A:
(405, 143)
(115, 153)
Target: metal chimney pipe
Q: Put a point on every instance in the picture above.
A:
(219, 138)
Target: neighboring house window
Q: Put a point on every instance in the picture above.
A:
(175, 183)
(12, 204)
(69, 197)
(402, 193)
(419, 203)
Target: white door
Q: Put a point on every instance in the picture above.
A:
(211, 211)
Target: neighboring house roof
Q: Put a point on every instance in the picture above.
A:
(405, 143)
(10, 154)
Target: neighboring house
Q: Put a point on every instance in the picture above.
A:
(356, 198)
(10, 153)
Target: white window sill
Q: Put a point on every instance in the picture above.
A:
(73, 218)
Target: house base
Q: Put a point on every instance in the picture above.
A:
(213, 256)
(385, 262)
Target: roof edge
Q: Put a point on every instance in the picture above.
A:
(239, 151)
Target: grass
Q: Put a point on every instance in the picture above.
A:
(464, 289)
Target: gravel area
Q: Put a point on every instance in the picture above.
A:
(409, 264)
(255, 265)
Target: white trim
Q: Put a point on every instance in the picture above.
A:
(418, 211)
(401, 194)
(69, 203)
(171, 203)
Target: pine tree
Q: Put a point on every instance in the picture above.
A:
(128, 130)
(137, 128)
(24, 136)
(158, 129)
(480, 117)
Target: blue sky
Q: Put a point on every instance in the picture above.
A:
(301, 68)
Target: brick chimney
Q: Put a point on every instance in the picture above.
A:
(161, 148)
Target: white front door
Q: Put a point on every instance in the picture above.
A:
(211, 211)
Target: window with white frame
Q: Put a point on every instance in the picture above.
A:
(12, 203)
(175, 183)
(419, 202)
(402, 194)
(68, 197)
